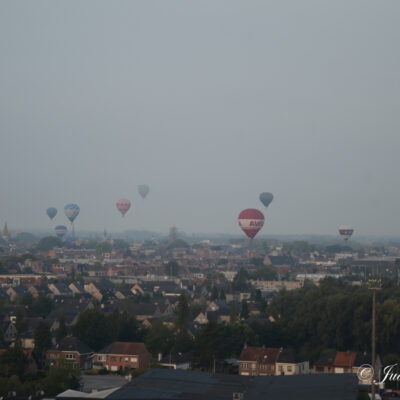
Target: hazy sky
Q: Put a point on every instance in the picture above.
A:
(208, 102)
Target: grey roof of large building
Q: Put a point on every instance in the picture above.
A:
(192, 385)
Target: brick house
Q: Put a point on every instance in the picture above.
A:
(257, 361)
(72, 350)
(120, 355)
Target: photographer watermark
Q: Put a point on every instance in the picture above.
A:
(366, 373)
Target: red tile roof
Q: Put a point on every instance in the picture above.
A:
(124, 348)
(262, 355)
(344, 359)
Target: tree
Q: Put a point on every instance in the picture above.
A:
(159, 339)
(214, 293)
(222, 294)
(61, 377)
(62, 330)
(42, 337)
(172, 268)
(244, 313)
(183, 318)
(42, 305)
(48, 243)
(91, 328)
(240, 282)
(14, 361)
(233, 313)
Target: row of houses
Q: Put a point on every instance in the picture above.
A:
(261, 361)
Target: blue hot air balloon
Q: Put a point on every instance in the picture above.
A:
(266, 198)
(61, 230)
(143, 190)
(51, 212)
(71, 211)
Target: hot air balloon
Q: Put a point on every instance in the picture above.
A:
(143, 190)
(266, 198)
(51, 212)
(123, 206)
(71, 211)
(251, 221)
(61, 230)
(345, 232)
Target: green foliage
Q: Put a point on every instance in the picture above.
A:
(42, 306)
(42, 337)
(48, 243)
(60, 378)
(183, 318)
(244, 312)
(13, 361)
(265, 273)
(159, 339)
(97, 330)
(241, 281)
(214, 293)
(62, 330)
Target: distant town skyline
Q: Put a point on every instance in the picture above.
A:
(210, 104)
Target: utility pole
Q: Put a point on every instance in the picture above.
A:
(374, 285)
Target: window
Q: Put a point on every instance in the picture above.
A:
(272, 368)
(289, 368)
(121, 359)
(244, 365)
(101, 358)
(133, 359)
(113, 359)
(280, 368)
(70, 356)
(253, 366)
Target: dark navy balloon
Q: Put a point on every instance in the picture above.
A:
(61, 230)
(71, 211)
(51, 212)
(266, 198)
(143, 190)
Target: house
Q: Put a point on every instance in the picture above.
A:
(346, 362)
(99, 290)
(72, 350)
(119, 356)
(288, 364)
(59, 289)
(75, 288)
(175, 361)
(16, 291)
(257, 361)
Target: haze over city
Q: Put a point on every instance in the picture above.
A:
(209, 103)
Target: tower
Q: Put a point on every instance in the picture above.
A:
(173, 234)
(5, 234)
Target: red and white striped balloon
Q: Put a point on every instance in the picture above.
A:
(251, 221)
(123, 206)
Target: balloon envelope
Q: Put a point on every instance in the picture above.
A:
(51, 212)
(71, 211)
(251, 221)
(346, 231)
(123, 206)
(61, 230)
(266, 198)
(143, 190)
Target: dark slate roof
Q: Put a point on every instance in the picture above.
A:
(71, 343)
(192, 385)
